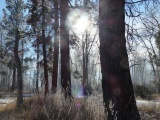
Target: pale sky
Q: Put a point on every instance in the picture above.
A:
(2, 5)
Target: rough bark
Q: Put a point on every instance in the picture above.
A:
(84, 68)
(64, 40)
(86, 65)
(44, 49)
(116, 80)
(37, 75)
(14, 77)
(56, 49)
(19, 70)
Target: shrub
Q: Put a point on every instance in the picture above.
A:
(55, 107)
(145, 92)
(157, 86)
(1, 96)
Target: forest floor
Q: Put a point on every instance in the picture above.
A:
(36, 108)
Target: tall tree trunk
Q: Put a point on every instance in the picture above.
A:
(64, 37)
(22, 58)
(116, 80)
(1, 56)
(56, 49)
(86, 64)
(14, 77)
(8, 78)
(19, 70)
(37, 75)
(84, 68)
(44, 49)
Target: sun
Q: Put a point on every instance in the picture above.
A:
(78, 21)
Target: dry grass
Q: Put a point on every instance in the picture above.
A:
(156, 96)
(150, 111)
(150, 108)
(10, 106)
(55, 107)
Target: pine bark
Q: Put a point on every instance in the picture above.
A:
(56, 49)
(37, 75)
(14, 77)
(44, 49)
(84, 69)
(116, 80)
(19, 70)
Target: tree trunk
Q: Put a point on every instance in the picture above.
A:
(44, 49)
(85, 53)
(116, 80)
(86, 65)
(19, 70)
(14, 77)
(22, 57)
(65, 63)
(56, 49)
(84, 68)
(37, 76)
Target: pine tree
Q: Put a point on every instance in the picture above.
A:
(56, 48)
(116, 80)
(40, 18)
(13, 23)
(64, 40)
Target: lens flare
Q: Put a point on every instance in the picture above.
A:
(78, 91)
(78, 21)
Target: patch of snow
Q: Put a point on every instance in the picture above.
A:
(147, 103)
(6, 101)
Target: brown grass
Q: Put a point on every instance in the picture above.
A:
(149, 109)
(10, 106)
(55, 107)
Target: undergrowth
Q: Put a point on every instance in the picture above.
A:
(55, 107)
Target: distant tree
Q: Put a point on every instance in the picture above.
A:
(41, 20)
(116, 80)
(150, 27)
(84, 41)
(64, 48)
(33, 20)
(4, 59)
(157, 37)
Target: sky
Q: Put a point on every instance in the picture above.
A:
(2, 5)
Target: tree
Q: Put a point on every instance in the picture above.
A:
(44, 48)
(41, 21)
(116, 80)
(5, 71)
(56, 48)
(19, 69)
(14, 77)
(157, 36)
(12, 22)
(33, 20)
(64, 48)
(83, 40)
